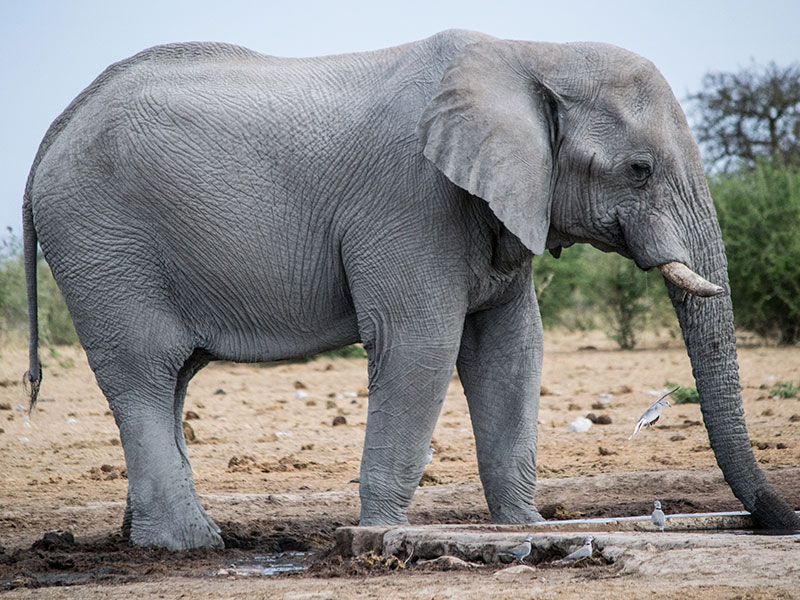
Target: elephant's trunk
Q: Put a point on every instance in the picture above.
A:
(707, 325)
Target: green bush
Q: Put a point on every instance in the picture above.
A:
(683, 395)
(55, 324)
(589, 289)
(786, 389)
(759, 213)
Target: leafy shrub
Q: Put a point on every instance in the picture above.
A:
(759, 213)
(683, 395)
(786, 389)
(55, 324)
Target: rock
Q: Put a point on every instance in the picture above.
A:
(429, 479)
(300, 394)
(516, 573)
(339, 420)
(579, 425)
(311, 402)
(603, 452)
(5, 406)
(299, 385)
(447, 563)
(767, 413)
(599, 419)
(188, 432)
(794, 418)
(781, 446)
(191, 415)
(242, 462)
(220, 392)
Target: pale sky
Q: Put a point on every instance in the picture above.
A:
(51, 49)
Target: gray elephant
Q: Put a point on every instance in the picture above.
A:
(202, 201)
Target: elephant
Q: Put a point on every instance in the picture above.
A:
(201, 202)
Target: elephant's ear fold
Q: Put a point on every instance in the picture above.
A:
(491, 128)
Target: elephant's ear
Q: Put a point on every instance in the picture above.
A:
(491, 128)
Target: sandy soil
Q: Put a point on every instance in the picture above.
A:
(273, 471)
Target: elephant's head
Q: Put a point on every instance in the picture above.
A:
(586, 143)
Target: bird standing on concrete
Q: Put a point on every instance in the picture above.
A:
(657, 518)
(584, 551)
(519, 552)
(652, 414)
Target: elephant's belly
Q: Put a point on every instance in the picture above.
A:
(261, 327)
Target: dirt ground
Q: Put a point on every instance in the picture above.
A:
(273, 470)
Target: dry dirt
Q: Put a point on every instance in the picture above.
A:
(273, 471)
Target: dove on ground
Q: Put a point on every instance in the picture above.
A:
(584, 551)
(652, 414)
(657, 518)
(520, 551)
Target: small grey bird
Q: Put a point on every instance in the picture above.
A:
(520, 551)
(657, 518)
(584, 551)
(652, 414)
(429, 456)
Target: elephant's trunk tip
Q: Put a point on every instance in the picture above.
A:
(686, 279)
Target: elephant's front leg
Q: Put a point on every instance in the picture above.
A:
(500, 366)
(409, 376)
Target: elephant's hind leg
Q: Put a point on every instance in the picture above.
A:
(191, 367)
(145, 390)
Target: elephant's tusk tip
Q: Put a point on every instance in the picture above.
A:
(686, 279)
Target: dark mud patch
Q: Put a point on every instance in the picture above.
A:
(61, 559)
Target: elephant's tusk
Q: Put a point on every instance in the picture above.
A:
(688, 280)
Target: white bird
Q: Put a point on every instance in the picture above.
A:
(429, 456)
(657, 518)
(584, 551)
(520, 551)
(652, 414)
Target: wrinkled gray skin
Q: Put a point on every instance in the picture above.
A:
(202, 201)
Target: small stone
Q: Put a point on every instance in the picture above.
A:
(190, 415)
(331, 405)
(677, 438)
(604, 452)
(794, 418)
(300, 394)
(188, 432)
(573, 406)
(516, 573)
(781, 446)
(579, 425)
(447, 563)
(767, 413)
(339, 420)
(307, 447)
(599, 419)
(311, 402)
(220, 392)
(299, 385)
(5, 406)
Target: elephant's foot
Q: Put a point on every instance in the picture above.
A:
(184, 532)
(516, 515)
(183, 527)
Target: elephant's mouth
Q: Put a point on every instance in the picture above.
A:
(689, 281)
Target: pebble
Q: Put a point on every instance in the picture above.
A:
(300, 394)
(579, 425)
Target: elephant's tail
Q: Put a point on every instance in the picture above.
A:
(33, 376)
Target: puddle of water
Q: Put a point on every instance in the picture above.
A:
(792, 533)
(272, 564)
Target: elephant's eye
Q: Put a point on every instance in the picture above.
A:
(641, 171)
